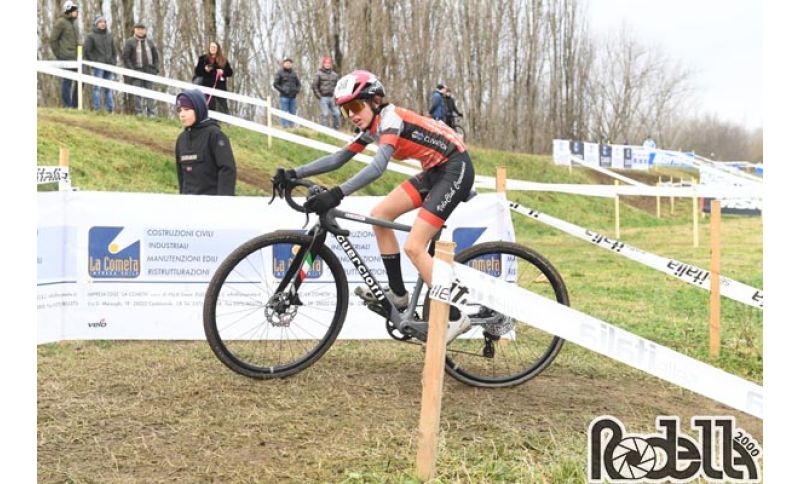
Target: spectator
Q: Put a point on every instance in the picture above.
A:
(649, 143)
(323, 86)
(214, 69)
(450, 109)
(140, 54)
(287, 84)
(99, 47)
(436, 109)
(203, 154)
(64, 44)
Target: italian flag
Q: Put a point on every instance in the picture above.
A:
(306, 267)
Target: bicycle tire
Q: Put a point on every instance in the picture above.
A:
(236, 347)
(460, 132)
(465, 360)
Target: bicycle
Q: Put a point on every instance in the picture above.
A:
(458, 128)
(277, 303)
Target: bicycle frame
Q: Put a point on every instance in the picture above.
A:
(293, 278)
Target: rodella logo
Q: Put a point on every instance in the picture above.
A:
(722, 452)
(113, 253)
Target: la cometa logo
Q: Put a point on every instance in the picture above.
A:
(114, 252)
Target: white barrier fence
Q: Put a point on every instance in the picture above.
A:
(136, 266)
(58, 69)
(595, 335)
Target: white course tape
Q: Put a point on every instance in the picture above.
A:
(475, 287)
(687, 273)
(630, 181)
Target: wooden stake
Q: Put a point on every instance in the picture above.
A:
(269, 121)
(671, 199)
(695, 228)
(616, 212)
(63, 161)
(80, 71)
(658, 200)
(433, 377)
(714, 320)
(63, 157)
(500, 181)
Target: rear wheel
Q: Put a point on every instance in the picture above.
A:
(460, 132)
(499, 351)
(261, 334)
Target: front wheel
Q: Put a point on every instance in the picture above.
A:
(259, 333)
(499, 351)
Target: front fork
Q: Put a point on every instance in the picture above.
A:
(287, 290)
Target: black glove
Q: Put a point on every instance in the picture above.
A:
(324, 201)
(282, 178)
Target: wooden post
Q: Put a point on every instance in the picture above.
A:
(616, 212)
(714, 320)
(80, 71)
(671, 199)
(695, 228)
(658, 200)
(63, 157)
(269, 121)
(63, 161)
(500, 181)
(433, 377)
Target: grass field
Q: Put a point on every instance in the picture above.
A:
(154, 411)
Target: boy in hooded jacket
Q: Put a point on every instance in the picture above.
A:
(203, 154)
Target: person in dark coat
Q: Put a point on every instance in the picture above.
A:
(436, 108)
(213, 69)
(140, 54)
(99, 47)
(324, 83)
(64, 44)
(287, 84)
(203, 154)
(450, 109)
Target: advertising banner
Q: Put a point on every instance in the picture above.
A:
(640, 158)
(605, 156)
(136, 266)
(739, 206)
(592, 154)
(576, 148)
(561, 152)
(618, 157)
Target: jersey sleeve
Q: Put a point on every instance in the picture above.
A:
(390, 127)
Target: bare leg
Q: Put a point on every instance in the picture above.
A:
(395, 204)
(416, 248)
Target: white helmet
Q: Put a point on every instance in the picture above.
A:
(69, 6)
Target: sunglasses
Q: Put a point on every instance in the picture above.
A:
(352, 107)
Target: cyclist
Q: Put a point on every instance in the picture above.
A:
(445, 180)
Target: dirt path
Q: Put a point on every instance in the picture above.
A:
(246, 174)
(157, 411)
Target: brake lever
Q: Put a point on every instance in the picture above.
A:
(307, 219)
(274, 190)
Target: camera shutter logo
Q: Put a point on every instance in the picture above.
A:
(721, 451)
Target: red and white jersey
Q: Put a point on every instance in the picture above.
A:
(412, 136)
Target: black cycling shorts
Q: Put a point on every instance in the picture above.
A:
(440, 189)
